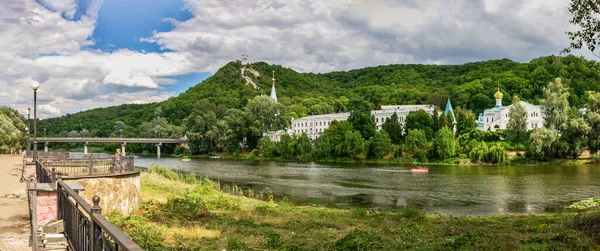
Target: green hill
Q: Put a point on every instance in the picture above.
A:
(468, 85)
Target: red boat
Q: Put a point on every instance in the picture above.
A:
(419, 168)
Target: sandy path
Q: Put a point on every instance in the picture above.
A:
(14, 214)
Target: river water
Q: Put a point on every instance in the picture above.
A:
(456, 190)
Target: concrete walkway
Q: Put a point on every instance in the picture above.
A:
(14, 212)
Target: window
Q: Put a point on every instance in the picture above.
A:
(487, 120)
(377, 120)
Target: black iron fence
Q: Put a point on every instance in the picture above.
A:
(44, 175)
(85, 227)
(88, 164)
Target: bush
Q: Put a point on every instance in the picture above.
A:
(358, 240)
(190, 207)
(163, 171)
(237, 245)
(148, 236)
(190, 179)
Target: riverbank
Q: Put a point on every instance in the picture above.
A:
(183, 213)
(14, 217)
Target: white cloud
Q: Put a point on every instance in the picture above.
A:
(308, 35)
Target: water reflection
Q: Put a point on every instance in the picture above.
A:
(457, 190)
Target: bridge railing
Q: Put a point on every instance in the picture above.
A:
(85, 227)
(79, 165)
(44, 175)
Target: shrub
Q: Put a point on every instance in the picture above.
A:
(358, 240)
(163, 171)
(237, 245)
(190, 207)
(147, 235)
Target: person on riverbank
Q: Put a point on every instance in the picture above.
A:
(117, 161)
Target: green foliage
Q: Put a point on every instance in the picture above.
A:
(323, 146)
(358, 240)
(444, 144)
(147, 236)
(481, 153)
(419, 120)
(575, 137)
(416, 142)
(542, 140)
(363, 122)
(163, 171)
(303, 146)
(379, 145)
(393, 128)
(352, 145)
(585, 204)
(516, 130)
(12, 130)
(190, 207)
(266, 145)
(585, 18)
(235, 244)
(465, 120)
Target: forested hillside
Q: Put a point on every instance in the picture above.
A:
(470, 86)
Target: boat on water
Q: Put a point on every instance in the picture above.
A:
(214, 156)
(186, 158)
(419, 168)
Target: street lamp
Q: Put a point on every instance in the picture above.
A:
(44, 132)
(35, 85)
(27, 131)
(121, 131)
(28, 128)
(155, 133)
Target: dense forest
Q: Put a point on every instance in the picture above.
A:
(224, 97)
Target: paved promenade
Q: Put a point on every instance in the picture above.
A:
(14, 215)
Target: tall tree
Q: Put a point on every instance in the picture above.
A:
(363, 122)
(267, 114)
(556, 104)
(516, 130)
(419, 120)
(444, 144)
(393, 128)
(416, 142)
(575, 137)
(379, 145)
(592, 117)
(303, 146)
(465, 120)
(323, 147)
(352, 145)
(542, 140)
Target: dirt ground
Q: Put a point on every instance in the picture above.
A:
(14, 214)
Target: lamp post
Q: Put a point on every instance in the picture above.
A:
(35, 85)
(121, 131)
(44, 132)
(28, 128)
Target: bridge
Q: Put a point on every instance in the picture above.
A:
(123, 141)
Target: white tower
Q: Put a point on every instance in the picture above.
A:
(273, 93)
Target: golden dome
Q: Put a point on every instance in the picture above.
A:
(498, 95)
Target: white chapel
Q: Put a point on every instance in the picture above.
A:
(497, 117)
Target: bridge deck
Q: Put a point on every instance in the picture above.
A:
(112, 140)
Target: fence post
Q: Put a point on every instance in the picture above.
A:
(96, 209)
(90, 165)
(53, 177)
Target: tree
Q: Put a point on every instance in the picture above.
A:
(303, 146)
(266, 145)
(287, 146)
(419, 120)
(444, 144)
(592, 117)
(516, 130)
(542, 140)
(363, 122)
(465, 120)
(337, 132)
(269, 115)
(556, 105)
(574, 137)
(379, 145)
(442, 121)
(585, 17)
(416, 142)
(393, 128)
(323, 147)
(352, 145)
(12, 129)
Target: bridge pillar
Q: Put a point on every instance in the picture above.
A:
(46, 147)
(85, 150)
(123, 146)
(158, 150)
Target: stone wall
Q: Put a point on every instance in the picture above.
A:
(46, 207)
(118, 193)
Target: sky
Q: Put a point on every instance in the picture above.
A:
(96, 53)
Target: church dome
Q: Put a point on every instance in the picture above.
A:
(498, 95)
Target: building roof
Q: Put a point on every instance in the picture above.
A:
(498, 95)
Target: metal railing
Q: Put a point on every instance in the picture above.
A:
(85, 227)
(88, 164)
(44, 175)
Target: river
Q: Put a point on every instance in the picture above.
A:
(456, 190)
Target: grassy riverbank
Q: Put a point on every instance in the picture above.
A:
(182, 213)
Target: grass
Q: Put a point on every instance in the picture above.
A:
(176, 215)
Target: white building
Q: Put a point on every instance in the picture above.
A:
(497, 118)
(314, 126)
